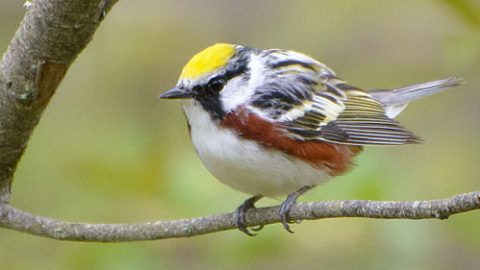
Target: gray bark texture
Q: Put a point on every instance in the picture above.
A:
(439, 209)
(51, 35)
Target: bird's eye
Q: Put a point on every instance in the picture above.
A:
(216, 84)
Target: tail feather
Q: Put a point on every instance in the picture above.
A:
(397, 99)
(403, 95)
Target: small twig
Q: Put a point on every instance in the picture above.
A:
(18, 220)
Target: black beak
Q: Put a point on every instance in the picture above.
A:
(177, 93)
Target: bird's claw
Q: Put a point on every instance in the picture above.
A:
(241, 215)
(287, 205)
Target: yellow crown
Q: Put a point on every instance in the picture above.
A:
(208, 60)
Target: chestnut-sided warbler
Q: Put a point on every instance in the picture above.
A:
(277, 122)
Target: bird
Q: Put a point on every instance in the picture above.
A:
(274, 122)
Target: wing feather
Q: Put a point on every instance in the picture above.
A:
(311, 103)
(357, 120)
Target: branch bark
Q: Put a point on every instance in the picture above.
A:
(50, 36)
(18, 220)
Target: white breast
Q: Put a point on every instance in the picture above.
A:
(243, 164)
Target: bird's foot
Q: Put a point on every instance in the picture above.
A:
(286, 206)
(241, 215)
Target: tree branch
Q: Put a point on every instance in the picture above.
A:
(50, 36)
(18, 220)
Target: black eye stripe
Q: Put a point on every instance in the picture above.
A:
(208, 94)
(235, 68)
(197, 88)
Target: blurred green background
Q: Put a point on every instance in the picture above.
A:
(106, 150)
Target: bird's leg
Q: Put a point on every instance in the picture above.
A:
(286, 205)
(241, 215)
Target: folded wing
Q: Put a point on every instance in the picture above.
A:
(362, 121)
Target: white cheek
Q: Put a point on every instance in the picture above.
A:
(236, 92)
(239, 90)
